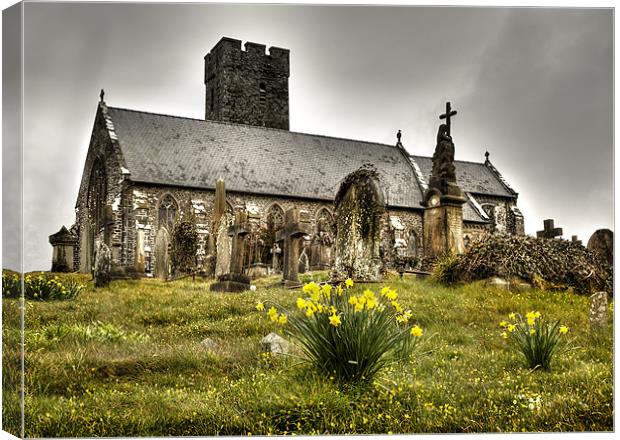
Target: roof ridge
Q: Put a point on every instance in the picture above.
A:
(253, 126)
(462, 161)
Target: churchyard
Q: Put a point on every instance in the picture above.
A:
(131, 360)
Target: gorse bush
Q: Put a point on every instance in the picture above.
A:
(537, 339)
(43, 286)
(349, 337)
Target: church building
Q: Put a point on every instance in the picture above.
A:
(144, 169)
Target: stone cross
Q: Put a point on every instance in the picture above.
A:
(549, 230)
(598, 310)
(575, 239)
(449, 112)
(292, 231)
(238, 231)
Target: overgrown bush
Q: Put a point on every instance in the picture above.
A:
(544, 263)
(184, 245)
(349, 337)
(537, 339)
(43, 286)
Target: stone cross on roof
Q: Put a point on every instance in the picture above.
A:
(449, 112)
(549, 230)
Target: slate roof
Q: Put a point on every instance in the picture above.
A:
(170, 150)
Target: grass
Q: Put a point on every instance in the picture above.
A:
(127, 361)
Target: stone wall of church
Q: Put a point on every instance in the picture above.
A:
(104, 150)
(144, 216)
(504, 212)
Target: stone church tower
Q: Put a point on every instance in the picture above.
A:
(247, 86)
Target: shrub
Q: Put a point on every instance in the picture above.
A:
(349, 337)
(43, 286)
(11, 286)
(537, 339)
(184, 244)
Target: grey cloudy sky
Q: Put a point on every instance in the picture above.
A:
(532, 86)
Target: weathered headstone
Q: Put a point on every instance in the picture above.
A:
(321, 246)
(140, 258)
(292, 231)
(162, 254)
(602, 244)
(235, 280)
(86, 248)
(276, 251)
(549, 230)
(219, 216)
(304, 261)
(64, 243)
(223, 247)
(103, 265)
(444, 199)
(598, 310)
(359, 211)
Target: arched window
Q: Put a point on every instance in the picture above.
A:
(325, 219)
(97, 194)
(167, 212)
(275, 217)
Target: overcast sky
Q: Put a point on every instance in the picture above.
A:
(534, 87)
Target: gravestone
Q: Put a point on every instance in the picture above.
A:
(549, 230)
(103, 265)
(223, 246)
(602, 244)
(304, 261)
(86, 248)
(321, 246)
(443, 200)
(63, 243)
(276, 251)
(140, 258)
(295, 227)
(576, 240)
(235, 280)
(162, 253)
(598, 310)
(359, 208)
(219, 211)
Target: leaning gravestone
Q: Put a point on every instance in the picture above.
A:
(359, 208)
(295, 227)
(223, 247)
(103, 265)
(598, 310)
(139, 261)
(602, 244)
(235, 280)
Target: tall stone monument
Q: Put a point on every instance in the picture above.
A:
(295, 227)
(443, 200)
(359, 209)
(64, 243)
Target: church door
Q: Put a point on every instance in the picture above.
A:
(162, 257)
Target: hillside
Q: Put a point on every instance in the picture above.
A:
(127, 361)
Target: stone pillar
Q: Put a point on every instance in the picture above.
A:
(443, 226)
(598, 310)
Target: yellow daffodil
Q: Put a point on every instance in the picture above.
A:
(503, 324)
(309, 313)
(359, 307)
(348, 282)
(532, 331)
(511, 328)
(334, 320)
(397, 306)
(512, 316)
(282, 319)
(260, 306)
(368, 294)
(339, 290)
(563, 329)
(391, 295)
(371, 303)
(315, 296)
(504, 335)
(384, 290)
(333, 310)
(416, 331)
(301, 303)
(326, 290)
(353, 300)
(272, 312)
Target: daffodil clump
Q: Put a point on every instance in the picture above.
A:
(40, 287)
(536, 338)
(349, 336)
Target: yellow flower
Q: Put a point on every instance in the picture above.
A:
(512, 316)
(391, 295)
(384, 290)
(511, 328)
(301, 303)
(339, 290)
(260, 306)
(416, 331)
(397, 306)
(503, 324)
(353, 300)
(326, 290)
(371, 304)
(334, 320)
(333, 310)
(282, 319)
(504, 335)
(532, 331)
(348, 282)
(369, 294)
(563, 329)
(312, 288)
(359, 307)
(273, 313)
(309, 312)
(320, 308)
